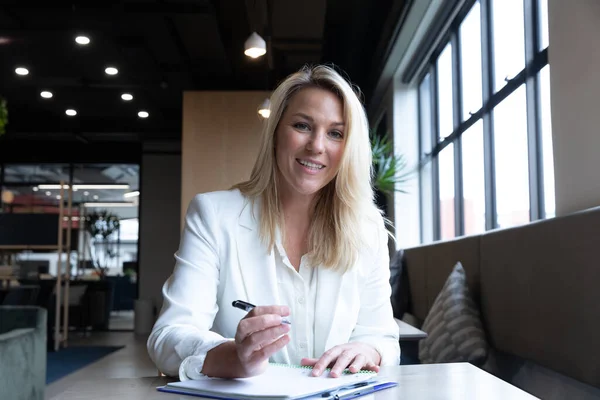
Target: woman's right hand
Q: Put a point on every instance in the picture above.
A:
(259, 335)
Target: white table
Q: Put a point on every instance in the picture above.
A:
(415, 382)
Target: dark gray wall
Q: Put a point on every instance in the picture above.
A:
(160, 201)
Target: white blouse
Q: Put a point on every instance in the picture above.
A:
(298, 291)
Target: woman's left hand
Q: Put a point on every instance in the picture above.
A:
(354, 356)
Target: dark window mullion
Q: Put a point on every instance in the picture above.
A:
(421, 159)
(435, 170)
(459, 223)
(534, 139)
(1, 183)
(487, 64)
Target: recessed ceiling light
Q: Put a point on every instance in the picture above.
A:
(46, 94)
(82, 40)
(127, 97)
(143, 114)
(48, 193)
(35, 188)
(70, 112)
(111, 71)
(22, 71)
(135, 193)
(95, 197)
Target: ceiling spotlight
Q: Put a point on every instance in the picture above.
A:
(70, 112)
(127, 96)
(135, 193)
(83, 40)
(265, 109)
(22, 71)
(86, 193)
(111, 70)
(143, 114)
(95, 197)
(35, 188)
(46, 94)
(255, 46)
(48, 193)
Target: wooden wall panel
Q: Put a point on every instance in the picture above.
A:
(219, 140)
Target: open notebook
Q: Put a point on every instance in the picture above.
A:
(279, 381)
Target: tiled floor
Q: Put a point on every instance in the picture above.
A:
(131, 361)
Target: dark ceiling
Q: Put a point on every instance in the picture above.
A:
(162, 48)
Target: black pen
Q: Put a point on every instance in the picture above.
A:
(243, 305)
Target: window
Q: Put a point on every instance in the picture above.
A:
(511, 160)
(444, 97)
(484, 119)
(446, 173)
(547, 156)
(508, 40)
(470, 56)
(36, 189)
(473, 179)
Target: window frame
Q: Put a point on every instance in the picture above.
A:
(535, 60)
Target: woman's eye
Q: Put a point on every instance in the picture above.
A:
(302, 126)
(336, 134)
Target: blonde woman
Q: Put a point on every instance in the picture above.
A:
(301, 240)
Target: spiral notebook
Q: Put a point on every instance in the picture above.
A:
(279, 381)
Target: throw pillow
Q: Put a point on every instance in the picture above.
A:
(454, 329)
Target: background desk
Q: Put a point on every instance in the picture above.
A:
(409, 332)
(423, 382)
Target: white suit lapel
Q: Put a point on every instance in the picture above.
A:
(256, 264)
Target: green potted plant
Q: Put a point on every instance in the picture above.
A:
(391, 170)
(3, 116)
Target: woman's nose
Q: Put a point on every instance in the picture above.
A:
(317, 142)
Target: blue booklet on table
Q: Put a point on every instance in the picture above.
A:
(281, 381)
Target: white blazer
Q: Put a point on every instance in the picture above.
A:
(221, 259)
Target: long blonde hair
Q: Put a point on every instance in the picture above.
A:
(337, 231)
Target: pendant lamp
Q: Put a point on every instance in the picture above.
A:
(265, 108)
(255, 46)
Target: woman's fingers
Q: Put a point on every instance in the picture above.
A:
(260, 318)
(359, 362)
(284, 311)
(270, 349)
(308, 362)
(326, 359)
(250, 325)
(259, 329)
(261, 339)
(353, 356)
(371, 367)
(343, 360)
